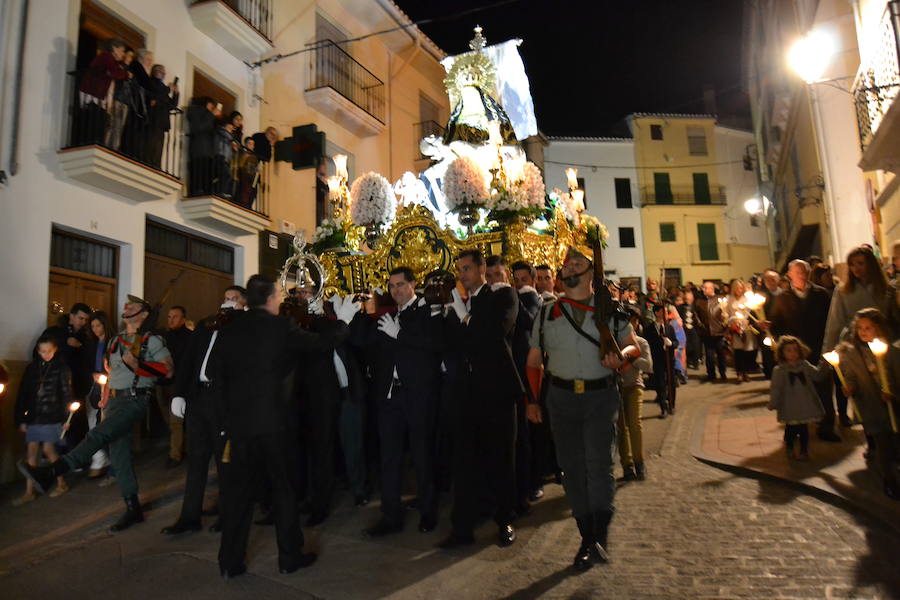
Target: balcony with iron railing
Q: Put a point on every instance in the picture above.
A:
(132, 148)
(875, 90)
(683, 196)
(242, 27)
(423, 130)
(344, 90)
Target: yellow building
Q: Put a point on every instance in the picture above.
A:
(685, 204)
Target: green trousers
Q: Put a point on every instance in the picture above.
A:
(115, 430)
(631, 436)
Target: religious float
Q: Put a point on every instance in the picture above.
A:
(479, 191)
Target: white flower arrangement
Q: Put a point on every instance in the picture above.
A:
(565, 203)
(465, 182)
(594, 229)
(533, 186)
(524, 195)
(326, 229)
(372, 200)
(410, 190)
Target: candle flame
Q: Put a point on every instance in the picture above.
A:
(340, 165)
(768, 341)
(878, 347)
(578, 199)
(74, 406)
(2, 387)
(334, 184)
(754, 300)
(102, 379)
(572, 177)
(833, 358)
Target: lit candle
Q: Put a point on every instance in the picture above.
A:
(340, 165)
(756, 302)
(572, 178)
(834, 359)
(334, 187)
(768, 341)
(515, 168)
(494, 136)
(879, 349)
(102, 379)
(72, 408)
(2, 387)
(578, 200)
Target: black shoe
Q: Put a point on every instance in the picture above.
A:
(584, 559)
(845, 421)
(629, 473)
(536, 494)
(828, 436)
(216, 527)
(317, 518)
(361, 500)
(43, 477)
(455, 540)
(506, 536)
(599, 553)
(266, 519)
(172, 463)
(662, 413)
(179, 527)
(133, 514)
(305, 560)
(427, 524)
(382, 528)
(232, 572)
(640, 471)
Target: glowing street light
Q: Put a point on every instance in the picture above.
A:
(809, 56)
(753, 206)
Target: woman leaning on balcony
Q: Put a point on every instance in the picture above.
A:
(95, 94)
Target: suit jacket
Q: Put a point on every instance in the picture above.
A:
(529, 306)
(201, 126)
(318, 379)
(802, 317)
(485, 344)
(253, 361)
(414, 354)
(187, 370)
(160, 101)
(657, 343)
(709, 316)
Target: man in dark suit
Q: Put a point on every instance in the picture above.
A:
(802, 311)
(197, 401)
(771, 289)
(201, 132)
(161, 99)
(406, 379)
(481, 328)
(254, 357)
(660, 336)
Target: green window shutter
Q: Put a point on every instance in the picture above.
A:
(663, 188)
(706, 234)
(667, 232)
(701, 189)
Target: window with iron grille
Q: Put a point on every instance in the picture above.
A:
(696, 141)
(171, 243)
(80, 254)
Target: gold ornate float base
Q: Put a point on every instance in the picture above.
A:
(416, 240)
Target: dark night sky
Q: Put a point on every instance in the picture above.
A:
(592, 62)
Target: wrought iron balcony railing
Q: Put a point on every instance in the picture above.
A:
(878, 80)
(683, 195)
(138, 129)
(423, 130)
(329, 66)
(257, 13)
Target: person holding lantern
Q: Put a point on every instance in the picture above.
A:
(136, 359)
(871, 371)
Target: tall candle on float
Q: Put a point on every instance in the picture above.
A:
(572, 178)
(340, 166)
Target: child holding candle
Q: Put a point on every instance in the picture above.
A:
(41, 406)
(793, 394)
(863, 375)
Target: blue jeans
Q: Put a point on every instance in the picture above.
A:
(584, 429)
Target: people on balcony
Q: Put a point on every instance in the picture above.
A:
(162, 99)
(201, 128)
(94, 94)
(247, 174)
(118, 112)
(225, 147)
(136, 129)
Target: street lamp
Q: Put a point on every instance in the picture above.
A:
(754, 207)
(809, 56)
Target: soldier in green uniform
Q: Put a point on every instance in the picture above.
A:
(582, 401)
(136, 359)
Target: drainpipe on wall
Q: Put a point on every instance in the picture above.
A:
(17, 92)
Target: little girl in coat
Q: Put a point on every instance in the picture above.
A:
(793, 394)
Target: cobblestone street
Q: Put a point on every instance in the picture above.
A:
(690, 531)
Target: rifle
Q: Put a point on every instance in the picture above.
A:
(604, 305)
(152, 321)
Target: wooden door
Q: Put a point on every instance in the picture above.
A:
(68, 287)
(199, 290)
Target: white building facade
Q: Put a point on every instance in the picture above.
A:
(606, 172)
(82, 222)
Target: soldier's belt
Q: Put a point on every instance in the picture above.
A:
(580, 386)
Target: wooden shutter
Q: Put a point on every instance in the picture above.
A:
(706, 235)
(701, 189)
(662, 188)
(623, 192)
